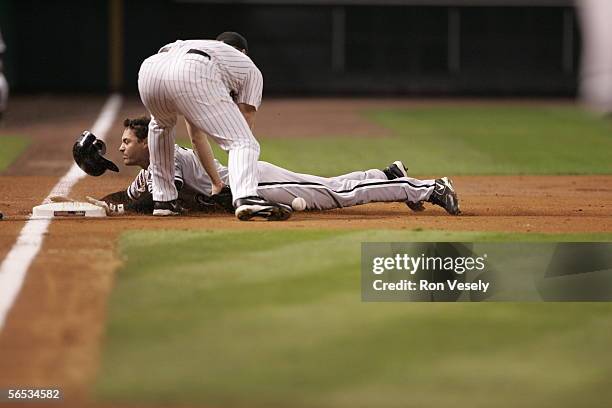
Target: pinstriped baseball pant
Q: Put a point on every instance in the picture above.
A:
(175, 83)
(4, 91)
(280, 185)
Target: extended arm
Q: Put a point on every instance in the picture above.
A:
(201, 146)
(143, 204)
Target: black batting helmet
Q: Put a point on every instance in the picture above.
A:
(88, 152)
(235, 40)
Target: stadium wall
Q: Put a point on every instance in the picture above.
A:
(316, 49)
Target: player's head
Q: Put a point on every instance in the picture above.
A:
(235, 40)
(134, 144)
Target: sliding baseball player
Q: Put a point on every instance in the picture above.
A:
(275, 183)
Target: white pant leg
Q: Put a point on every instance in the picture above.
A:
(4, 92)
(161, 155)
(203, 99)
(242, 167)
(362, 175)
(320, 193)
(152, 86)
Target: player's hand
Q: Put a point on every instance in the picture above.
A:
(217, 188)
(224, 199)
(110, 208)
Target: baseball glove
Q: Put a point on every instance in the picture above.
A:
(222, 200)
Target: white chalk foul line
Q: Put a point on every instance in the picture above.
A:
(15, 266)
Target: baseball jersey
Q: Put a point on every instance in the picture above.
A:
(237, 71)
(187, 170)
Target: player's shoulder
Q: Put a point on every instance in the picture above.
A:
(169, 46)
(221, 50)
(210, 45)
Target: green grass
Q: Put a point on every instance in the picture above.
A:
(10, 148)
(458, 140)
(266, 319)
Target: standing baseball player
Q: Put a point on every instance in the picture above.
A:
(4, 88)
(218, 89)
(391, 184)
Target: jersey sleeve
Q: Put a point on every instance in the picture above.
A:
(139, 186)
(252, 88)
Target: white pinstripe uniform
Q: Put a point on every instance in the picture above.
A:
(178, 81)
(282, 186)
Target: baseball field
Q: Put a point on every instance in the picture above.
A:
(204, 310)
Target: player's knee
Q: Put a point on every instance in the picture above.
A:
(249, 144)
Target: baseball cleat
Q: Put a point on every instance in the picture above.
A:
(416, 207)
(166, 208)
(395, 170)
(444, 195)
(249, 207)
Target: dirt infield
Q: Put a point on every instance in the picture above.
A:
(53, 335)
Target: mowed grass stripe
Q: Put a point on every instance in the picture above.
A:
(457, 140)
(10, 148)
(504, 140)
(275, 319)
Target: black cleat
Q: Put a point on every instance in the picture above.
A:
(166, 208)
(395, 170)
(416, 207)
(249, 207)
(444, 195)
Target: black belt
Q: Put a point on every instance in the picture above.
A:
(199, 52)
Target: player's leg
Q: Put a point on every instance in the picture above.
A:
(322, 193)
(224, 123)
(200, 95)
(205, 103)
(161, 137)
(242, 163)
(393, 171)
(371, 174)
(161, 153)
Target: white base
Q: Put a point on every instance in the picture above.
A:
(68, 209)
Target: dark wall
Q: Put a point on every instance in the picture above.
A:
(289, 44)
(387, 49)
(56, 46)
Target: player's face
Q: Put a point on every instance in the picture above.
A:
(135, 151)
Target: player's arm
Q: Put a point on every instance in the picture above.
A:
(248, 98)
(143, 204)
(201, 146)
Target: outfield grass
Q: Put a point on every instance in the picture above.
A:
(458, 140)
(10, 148)
(264, 319)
